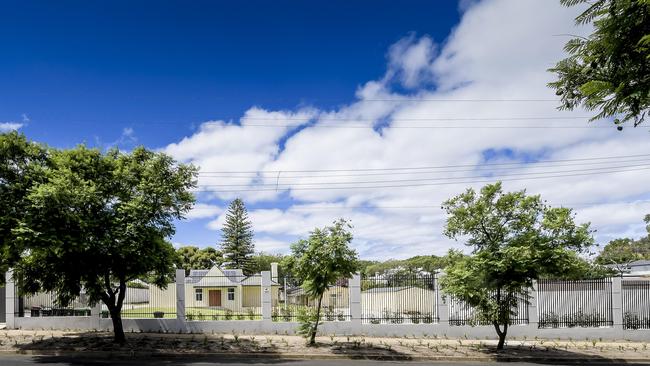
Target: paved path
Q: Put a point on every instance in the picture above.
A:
(20, 360)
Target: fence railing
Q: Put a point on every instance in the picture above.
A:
(636, 304)
(461, 313)
(583, 303)
(148, 301)
(46, 304)
(292, 300)
(229, 297)
(397, 299)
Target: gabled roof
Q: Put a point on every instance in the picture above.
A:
(217, 277)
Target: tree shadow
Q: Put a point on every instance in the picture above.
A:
(552, 355)
(171, 349)
(363, 350)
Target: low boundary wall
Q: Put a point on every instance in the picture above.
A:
(353, 327)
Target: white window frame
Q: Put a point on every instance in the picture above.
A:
(231, 291)
(198, 294)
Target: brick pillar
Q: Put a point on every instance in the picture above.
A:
(11, 300)
(617, 303)
(266, 296)
(442, 306)
(354, 286)
(533, 314)
(180, 295)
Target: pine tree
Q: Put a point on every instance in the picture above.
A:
(237, 237)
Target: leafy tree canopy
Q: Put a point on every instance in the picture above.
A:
(99, 220)
(515, 238)
(319, 262)
(262, 262)
(21, 164)
(608, 71)
(190, 257)
(623, 251)
(237, 237)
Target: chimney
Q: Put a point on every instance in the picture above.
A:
(274, 272)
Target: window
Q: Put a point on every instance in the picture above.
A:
(231, 294)
(198, 294)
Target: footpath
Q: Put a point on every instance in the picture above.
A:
(429, 348)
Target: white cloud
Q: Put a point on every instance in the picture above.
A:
(9, 126)
(203, 211)
(500, 50)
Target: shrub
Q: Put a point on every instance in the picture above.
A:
(228, 314)
(340, 316)
(250, 313)
(329, 314)
(307, 318)
(427, 318)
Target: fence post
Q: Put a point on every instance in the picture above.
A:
(96, 316)
(266, 296)
(180, 295)
(10, 297)
(533, 315)
(617, 303)
(442, 311)
(355, 302)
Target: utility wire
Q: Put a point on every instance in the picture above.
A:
(600, 169)
(364, 174)
(430, 167)
(424, 184)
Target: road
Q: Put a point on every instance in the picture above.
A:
(21, 360)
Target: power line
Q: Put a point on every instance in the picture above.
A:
(429, 167)
(599, 169)
(425, 127)
(364, 174)
(423, 184)
(578, 204)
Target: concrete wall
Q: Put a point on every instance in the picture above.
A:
(3, 302)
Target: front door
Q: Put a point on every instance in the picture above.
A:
(214, 298)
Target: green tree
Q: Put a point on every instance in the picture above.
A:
(191, 257)
(99, 221)
(515, 238)
(21, 163)
(608, 71)
(620, 252)
(318, 262)
(262, 262)
(237, 237)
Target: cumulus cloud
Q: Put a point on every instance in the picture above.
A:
(480, 97)
(203, 211)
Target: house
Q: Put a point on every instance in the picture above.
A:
(636, 268)
(218, 289)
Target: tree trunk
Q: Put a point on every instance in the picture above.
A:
(114, 306)
(312, 339)
(501, 334)
(118, 329)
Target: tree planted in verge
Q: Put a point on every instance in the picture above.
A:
(98, 221)
(515, 239)
(318, 262)
(21, 163)
(237, 237)
(609, 70)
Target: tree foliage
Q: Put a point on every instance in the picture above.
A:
(608, 71)
(621, 252)
(99, 220)
(515, 238)
(318, 262)
(191, 257)
(237, 237)
(21, 163)
(262, 262)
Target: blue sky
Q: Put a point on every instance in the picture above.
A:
(83, 71)
(287, 86)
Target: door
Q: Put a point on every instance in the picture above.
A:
(214, 298)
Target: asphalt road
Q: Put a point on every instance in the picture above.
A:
(20, 360)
